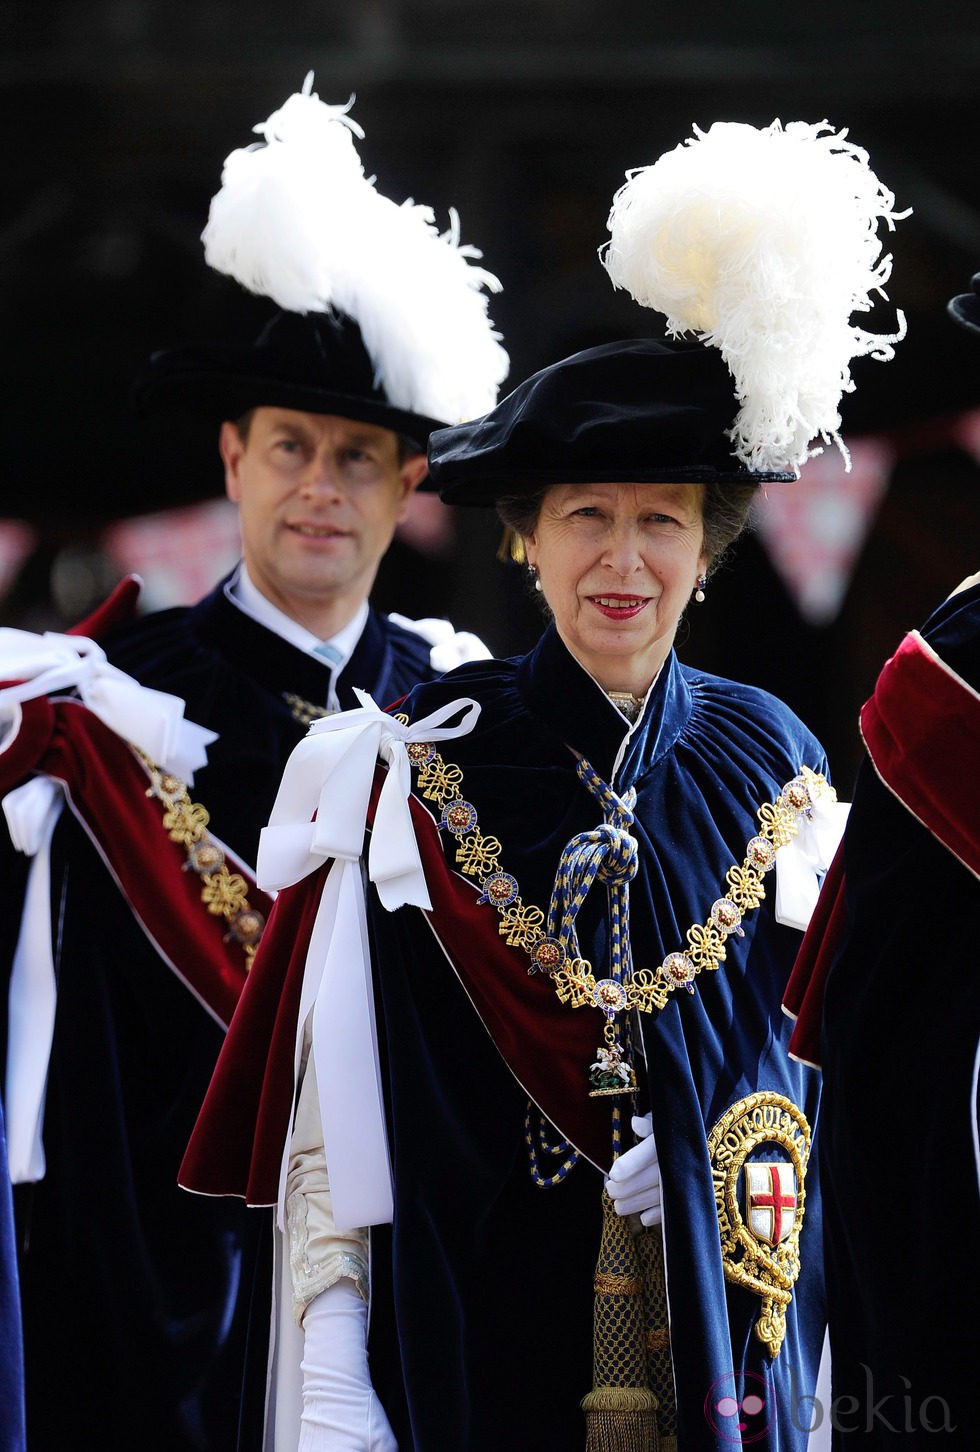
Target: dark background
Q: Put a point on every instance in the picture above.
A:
(524, 115)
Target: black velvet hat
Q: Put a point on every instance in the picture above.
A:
(314, 362)
(637, 411)
(965, 308)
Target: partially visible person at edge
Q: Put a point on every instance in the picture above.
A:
(12, 1427)
(582, 1111)
(140, 1303)
(888, 1002)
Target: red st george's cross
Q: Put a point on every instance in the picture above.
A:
(768, 1195)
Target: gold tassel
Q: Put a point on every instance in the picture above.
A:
(620, 1410)
(650, 1255)
(612, 1429)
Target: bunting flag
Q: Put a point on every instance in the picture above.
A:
(178, 553)
(16, 542)
(966, 433)
(814, 529)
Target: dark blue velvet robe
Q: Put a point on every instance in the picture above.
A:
(235, 676)
(142, 1304)
(901, 1036)
(12, 1429)
(492, 1275)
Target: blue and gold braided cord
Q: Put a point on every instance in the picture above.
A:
(539, 1143)
(608, 852)
(617, 1132)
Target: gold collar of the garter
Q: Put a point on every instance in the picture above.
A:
(522, 925)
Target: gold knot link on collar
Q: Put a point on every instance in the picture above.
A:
(223, 892)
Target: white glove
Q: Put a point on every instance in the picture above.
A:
(633, 1183)
(341, 1410)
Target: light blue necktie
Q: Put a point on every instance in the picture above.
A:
(328, 652)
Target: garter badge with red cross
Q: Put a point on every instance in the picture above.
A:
(759, 1150)
(770, 1200)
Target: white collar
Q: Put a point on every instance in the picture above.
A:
(242, 590)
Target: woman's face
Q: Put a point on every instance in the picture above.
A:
(617, 564)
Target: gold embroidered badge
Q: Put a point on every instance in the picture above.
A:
(759, 1150)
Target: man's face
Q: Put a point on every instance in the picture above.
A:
(319, 497)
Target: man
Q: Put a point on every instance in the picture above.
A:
(887, 1000)
(322, 468)
(319, 497)
(141, 1304)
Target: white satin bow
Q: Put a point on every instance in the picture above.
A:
(44, 665)
(450, 647)
(331, 774)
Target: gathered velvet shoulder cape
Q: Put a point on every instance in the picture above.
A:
(492, 1275)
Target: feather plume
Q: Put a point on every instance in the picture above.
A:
(297, 221)
(763, 243)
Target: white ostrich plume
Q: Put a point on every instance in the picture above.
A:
(297, 221)
(763, 243)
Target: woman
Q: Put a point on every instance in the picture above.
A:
(599, 738)
(569, 936)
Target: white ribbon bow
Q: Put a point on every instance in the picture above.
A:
(450, 647)
(803, 860)
(44, 665)
(331, 773)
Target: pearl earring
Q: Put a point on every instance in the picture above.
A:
(534, 572)
(699, 592)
